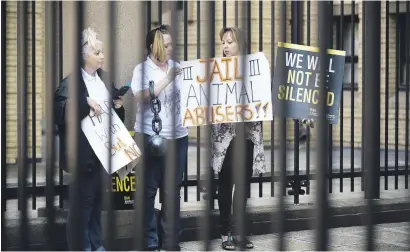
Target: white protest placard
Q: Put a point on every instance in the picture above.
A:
(123, 148)
(240, 90)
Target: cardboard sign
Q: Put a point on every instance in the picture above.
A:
(236, 89)
(123, 148)
(296, 82)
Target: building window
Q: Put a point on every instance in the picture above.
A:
(344, 28)
(403, 60)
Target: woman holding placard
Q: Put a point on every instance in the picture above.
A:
(223, 142)
(92, 88)
(156, 80)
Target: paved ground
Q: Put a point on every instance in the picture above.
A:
(390, 237)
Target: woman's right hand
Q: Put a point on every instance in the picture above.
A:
(170, 74)
(95, 107)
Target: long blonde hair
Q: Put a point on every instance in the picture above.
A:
(155, 42)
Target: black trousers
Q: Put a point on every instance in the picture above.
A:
(226, 182)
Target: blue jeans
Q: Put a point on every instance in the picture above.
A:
(90, 200)
(154, 174)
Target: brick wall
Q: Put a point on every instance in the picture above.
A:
(11, 79)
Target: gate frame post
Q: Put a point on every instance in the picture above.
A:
(371, 87)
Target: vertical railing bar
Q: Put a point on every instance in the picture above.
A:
(51, 80)
(4, 240)
(33, 104)
(330, 143)
(236, 13)
(198, 129)
(342, 14)
(272, 124)
(185, 59)
(352, 84)
(363, 98)
(308, 131)
(297, 26)
(386, 102)
(322, 129)
(280, 218)
(207, 225)
(407, 49)
(72, 135)
(224, 13)
(22, 32)
(139, 194)
(396, 105)
(108, 197)
(171, 169)
(260, 49)
(239, 148)
(372, 112)
(160, 12)
(59, 78)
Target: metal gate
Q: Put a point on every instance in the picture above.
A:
(383, 103)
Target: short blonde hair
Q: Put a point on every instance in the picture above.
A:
(89, 42)
(154, 42)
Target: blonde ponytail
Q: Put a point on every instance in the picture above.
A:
(158, 47)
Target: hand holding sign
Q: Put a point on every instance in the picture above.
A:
(95, 107)
(171, 75)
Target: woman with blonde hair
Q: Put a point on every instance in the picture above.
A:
(92, 87)
(223, 142)
(157, 78)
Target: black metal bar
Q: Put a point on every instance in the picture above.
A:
(330, 143)
(107, 180)
(297, 26)
(236, 13)
(407, 49)
(160, 12)
(341, 99)
(72, 135)
(396, 105)
(260, 49)
(60, 77)
(372, 111)
(321, 224)
(224, 13)
(207, 227)
(4, 240)
(185, 59)
(22, 32)
(308, 133)
(198, 129)
(51, 81)
(386, 101)
(363, 95)
(139, 194)
(282, 146)
(272, 124)
(352, 22)
(171, 153)
(33, 99)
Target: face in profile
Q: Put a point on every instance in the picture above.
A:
(168, 45)
(229, 46)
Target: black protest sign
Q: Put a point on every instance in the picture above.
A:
(296, 82)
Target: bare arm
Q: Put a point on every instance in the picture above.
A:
(144, 94)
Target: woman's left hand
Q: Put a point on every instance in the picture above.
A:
(118, 103)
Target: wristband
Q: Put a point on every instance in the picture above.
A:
(151, 90)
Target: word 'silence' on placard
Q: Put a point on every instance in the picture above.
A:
(236, 95)
(297, 81)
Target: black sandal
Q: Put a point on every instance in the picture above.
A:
(248, 243)
(228, 244)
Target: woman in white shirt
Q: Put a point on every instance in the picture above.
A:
(164, 73)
